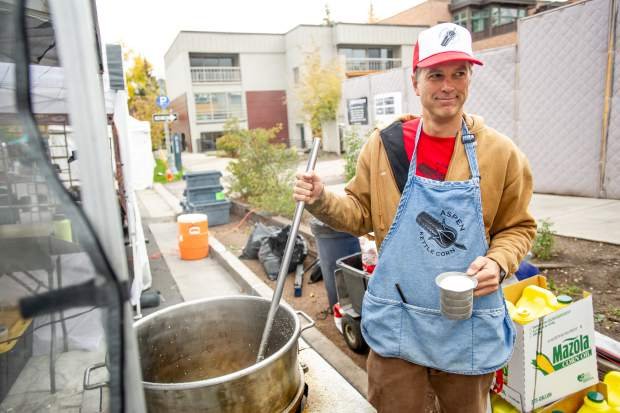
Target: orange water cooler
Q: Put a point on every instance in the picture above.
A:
(193, 236)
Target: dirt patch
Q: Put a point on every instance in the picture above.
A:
(592, 266)
(313, 300)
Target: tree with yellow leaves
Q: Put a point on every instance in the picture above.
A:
(319, 90)
(142, 90)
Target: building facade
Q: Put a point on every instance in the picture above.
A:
(493, 23)
(212, 77)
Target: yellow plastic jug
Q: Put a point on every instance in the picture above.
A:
(538, 301)
(564, 300)
(612, 380)
(511, 309)
(594, 402)
(499, 405)
(524, 315)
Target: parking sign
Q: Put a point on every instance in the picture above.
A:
(163, 101)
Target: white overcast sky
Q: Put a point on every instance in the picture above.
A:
(149, 26)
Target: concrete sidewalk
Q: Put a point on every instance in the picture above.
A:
(585, 218)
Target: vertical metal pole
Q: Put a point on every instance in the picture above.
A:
(169, 151)
(609, 77)
(167, 135)
(286, 259)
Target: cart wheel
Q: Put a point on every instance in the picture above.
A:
(353, 334)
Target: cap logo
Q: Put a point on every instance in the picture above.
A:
(448, 36)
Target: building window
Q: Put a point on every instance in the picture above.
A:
(479, 20)
(218, 107)
(367, 53)
(505, 15)
(385, 106)
(207, 60)
(369, 58)
(460, 18)
(208, 140)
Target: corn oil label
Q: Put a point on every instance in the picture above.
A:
(570, 351)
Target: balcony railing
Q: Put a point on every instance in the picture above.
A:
(219, 116)
(371, 64)
(215, 74)
(490, 31)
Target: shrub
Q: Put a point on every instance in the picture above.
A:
(230, 142)
(544, 241)
(159, 172)
(352, 147)
(263, 172)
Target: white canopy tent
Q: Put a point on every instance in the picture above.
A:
(140, 156)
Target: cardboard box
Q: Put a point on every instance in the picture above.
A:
(573, 402)
(554, 355)
(14, 354)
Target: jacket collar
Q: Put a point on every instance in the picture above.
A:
(474, 123)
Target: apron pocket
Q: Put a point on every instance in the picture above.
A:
(493, 339)
(381, 320)
(434, 341)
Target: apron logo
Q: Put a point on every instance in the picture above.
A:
(444, 235)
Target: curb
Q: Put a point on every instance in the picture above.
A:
(251, 284)
(170, 199)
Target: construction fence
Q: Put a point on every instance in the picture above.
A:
(554, 94)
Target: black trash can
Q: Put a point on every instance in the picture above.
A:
(332, 245)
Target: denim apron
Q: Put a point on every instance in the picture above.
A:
(438, 227)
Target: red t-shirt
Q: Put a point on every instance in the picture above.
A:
(433, 153)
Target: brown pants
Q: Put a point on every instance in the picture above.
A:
(396, 385)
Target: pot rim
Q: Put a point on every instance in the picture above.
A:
(230, 376)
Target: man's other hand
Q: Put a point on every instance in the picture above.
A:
(486, 271)
(308, 187)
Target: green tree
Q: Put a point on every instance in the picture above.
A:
(142, 90)
(319, 90)
(263, 172)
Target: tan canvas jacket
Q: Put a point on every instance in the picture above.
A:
(372, 196)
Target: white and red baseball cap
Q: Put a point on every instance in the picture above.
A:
(445, 42)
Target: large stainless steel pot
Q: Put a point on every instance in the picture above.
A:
(201, 356)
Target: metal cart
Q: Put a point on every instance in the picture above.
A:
(351, 283)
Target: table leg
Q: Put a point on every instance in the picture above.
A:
(65, 341)
(50, 277)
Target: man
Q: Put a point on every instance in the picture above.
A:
(443, 192)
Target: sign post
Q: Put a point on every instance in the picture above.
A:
(163, 102)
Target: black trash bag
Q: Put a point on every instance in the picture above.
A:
(270, 261)
(278, 244)
(273, 247)
(259, 233)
